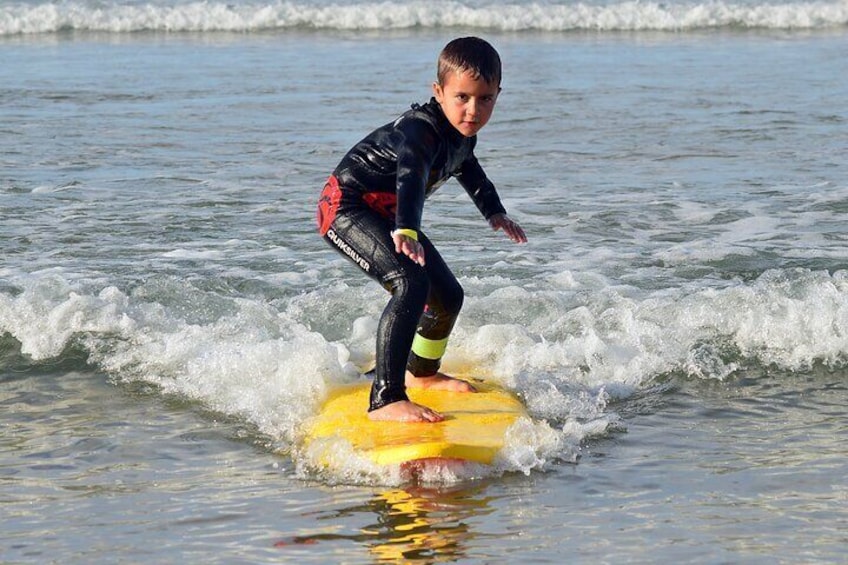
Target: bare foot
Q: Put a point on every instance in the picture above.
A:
(439, 381)
(405, 411)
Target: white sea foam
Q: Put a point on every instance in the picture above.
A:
(47, 17)
(269, 366)
(529, 445)
(233, 356)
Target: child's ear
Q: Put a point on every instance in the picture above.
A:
(438, 92)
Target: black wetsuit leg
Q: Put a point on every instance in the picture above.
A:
(444, 302)
(364, 237)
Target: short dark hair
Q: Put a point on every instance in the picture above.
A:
(472, 55)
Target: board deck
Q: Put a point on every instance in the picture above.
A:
(473, 430)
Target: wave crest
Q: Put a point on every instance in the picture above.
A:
(631, 15)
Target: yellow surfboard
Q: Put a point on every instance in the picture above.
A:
(474, 428)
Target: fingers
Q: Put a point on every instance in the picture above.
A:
(510, 228)
(515, 232)
(413, 250)
(409, 247)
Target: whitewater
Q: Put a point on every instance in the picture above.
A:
(122, 17)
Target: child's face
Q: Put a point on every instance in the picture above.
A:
(467, 102)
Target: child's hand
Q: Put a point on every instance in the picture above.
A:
(409, 247)
(510, 228)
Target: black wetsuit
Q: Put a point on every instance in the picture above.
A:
(379, 186)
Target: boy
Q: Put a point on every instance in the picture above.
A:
(370, 211)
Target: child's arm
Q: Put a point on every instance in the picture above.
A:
(485, 196)
(416, 151)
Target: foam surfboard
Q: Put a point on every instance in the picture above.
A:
(474, 428)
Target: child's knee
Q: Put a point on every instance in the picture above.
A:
(452, 299)
(410, 287)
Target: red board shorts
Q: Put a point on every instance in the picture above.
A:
(328, 205)
(384, 203)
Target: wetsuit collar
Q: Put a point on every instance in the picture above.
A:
(435, 109)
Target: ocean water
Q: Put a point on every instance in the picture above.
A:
(677, 324)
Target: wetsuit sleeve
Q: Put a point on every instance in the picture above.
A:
(473, 179)
(416, 150)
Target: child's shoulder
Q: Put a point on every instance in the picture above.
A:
(427, 113)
